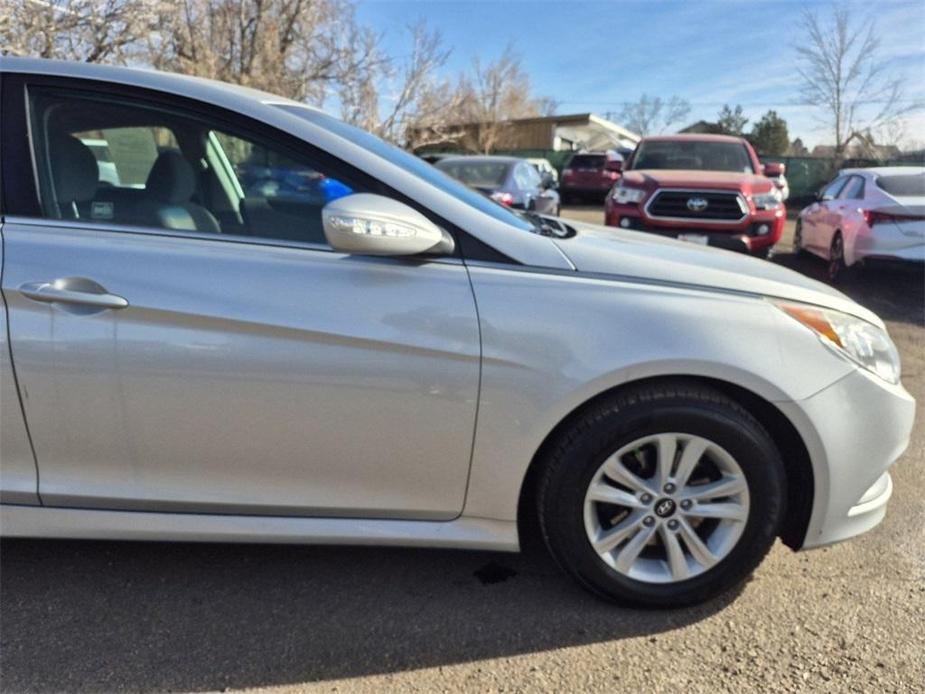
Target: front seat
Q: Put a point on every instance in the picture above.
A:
(75, 175)
(169, 187)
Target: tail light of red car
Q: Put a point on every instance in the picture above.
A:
(505, 199)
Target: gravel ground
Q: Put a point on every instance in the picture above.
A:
(94, 616)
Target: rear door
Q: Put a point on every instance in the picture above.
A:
(190, 343)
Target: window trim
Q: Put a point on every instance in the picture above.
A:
(132, 230)
(21, 199)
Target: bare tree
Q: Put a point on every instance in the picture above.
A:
(406, 102)
(845, 79)
(301, 49)
(495, 93)
(653, 115)
(84, 30)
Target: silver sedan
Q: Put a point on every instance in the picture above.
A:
(271, 326)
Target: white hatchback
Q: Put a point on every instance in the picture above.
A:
(866, 216)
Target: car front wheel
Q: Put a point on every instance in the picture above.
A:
(662, 496)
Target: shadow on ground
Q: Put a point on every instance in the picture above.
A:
(95, 616)
(894, 293)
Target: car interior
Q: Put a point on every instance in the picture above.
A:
(172, 171)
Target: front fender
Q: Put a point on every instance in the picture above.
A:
(553, 341)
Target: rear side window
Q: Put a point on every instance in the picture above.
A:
(526, 176)
(479, 174)
(104, 160)
(587, 161)
(903, 185)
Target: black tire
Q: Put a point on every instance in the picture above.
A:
(565, 198)
(763, 253)
(683, 406)
(837, 271)
(798, 239)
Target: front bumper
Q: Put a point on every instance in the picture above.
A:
(757, 232)
(854, 431)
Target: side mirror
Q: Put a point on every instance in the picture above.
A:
(773, 169)
(548, 182)
(614, 165)
(368, 224)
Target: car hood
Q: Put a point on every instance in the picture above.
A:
(644, 257)
(720, 180)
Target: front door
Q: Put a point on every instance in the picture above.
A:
(184, 340)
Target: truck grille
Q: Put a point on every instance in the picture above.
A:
(686, 204)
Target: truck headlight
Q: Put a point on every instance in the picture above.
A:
(768, 201)
(623, 195)
(863, 343)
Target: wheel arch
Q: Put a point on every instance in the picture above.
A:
(790, 444)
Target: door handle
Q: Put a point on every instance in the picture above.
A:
(72, 290)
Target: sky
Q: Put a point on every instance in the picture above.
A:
(595, 56)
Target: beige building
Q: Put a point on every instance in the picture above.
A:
(580, 131)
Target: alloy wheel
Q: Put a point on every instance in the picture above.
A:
(666, 507)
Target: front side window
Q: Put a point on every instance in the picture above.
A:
(410, 164)
(105, 160)
(831, 191)
(853, 190)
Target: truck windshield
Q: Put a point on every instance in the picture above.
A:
(700, 156)
(410, 163)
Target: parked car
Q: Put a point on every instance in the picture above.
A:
(510, 181)
(866, 216)
(706, 189)
(545, 168)
(588, 176)
(408, 364)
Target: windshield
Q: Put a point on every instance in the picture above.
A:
(481, 174)
(700, 156)
(409, 163)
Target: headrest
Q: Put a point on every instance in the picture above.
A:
(171, 179)
(74, 170)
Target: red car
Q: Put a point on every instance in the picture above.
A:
(708, 189)
(588, 176)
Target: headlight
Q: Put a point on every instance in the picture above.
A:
(768, 201)
(625, 196)
(861, 342)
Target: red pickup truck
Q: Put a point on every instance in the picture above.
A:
(708, 189)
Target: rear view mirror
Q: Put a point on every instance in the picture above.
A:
(368, 224)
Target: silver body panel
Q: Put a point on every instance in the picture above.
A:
(244, 377)
(277, 392)
(18, 478)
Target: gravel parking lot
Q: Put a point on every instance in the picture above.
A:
(97, 616)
